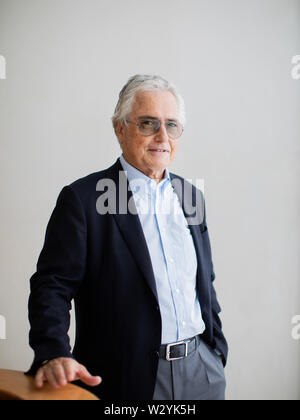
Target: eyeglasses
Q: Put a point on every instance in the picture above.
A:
(150, 126)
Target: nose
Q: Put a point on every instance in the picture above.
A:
(162, 135)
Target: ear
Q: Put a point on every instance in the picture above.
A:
(119, 130)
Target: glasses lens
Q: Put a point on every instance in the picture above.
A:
(174, 129)
(150, 127)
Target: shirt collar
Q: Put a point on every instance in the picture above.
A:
(141, 183)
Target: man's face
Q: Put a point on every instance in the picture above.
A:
(149, 154)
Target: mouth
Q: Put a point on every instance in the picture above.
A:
(159, 150)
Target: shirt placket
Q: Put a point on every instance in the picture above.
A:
(170, 256)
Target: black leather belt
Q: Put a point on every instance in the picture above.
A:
(180, 349)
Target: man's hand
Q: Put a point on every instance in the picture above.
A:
(58, 372)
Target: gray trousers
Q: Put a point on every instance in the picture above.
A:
(199, 376)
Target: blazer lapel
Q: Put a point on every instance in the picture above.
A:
(130, 225)
(191, 200)
(192, 203)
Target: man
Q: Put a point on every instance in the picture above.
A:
(130, 245)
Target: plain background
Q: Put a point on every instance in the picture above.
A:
(231, 61)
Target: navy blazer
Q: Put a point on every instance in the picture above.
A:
(103, 263)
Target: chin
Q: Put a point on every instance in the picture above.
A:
(161, 163)
(162, 158)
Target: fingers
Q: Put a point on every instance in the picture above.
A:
(87, 378)
(40, 378)
(54, 373)
(58, 372)
(69, 370)
(50, 377)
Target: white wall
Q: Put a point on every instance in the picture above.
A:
(231, 60)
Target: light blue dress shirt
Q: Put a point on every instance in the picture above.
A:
(172, 253)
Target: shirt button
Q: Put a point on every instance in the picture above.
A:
(171, 260)
(177, 290)
(183, 323)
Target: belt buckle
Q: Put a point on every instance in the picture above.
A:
(168, 350)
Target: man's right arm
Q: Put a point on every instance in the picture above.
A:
(59, 274)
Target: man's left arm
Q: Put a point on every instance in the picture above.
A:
(221, 347)
(221, 344)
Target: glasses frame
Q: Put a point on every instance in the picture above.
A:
(154, 119)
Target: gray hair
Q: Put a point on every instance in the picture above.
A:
(141, 83)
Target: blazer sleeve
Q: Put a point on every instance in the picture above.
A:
(219, 338)
(60, 272)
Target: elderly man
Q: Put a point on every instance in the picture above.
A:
(140, 273)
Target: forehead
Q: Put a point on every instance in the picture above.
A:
(159, 104)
